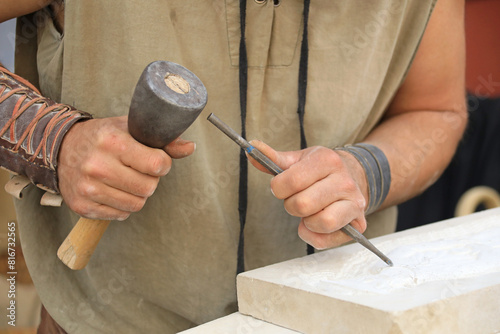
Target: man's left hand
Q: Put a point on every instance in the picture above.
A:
(325, 188)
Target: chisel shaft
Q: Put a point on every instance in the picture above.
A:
(275, 170)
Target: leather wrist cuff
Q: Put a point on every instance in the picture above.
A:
(377, 170)
(32, 128)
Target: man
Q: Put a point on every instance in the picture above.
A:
(373, 76)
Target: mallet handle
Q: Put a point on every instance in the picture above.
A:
(79, 245)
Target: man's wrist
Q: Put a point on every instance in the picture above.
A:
(357, 172)
(377, 172)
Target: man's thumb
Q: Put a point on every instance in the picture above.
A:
(283, 159)
(180, 148)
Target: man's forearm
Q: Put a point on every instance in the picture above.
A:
(419, 146)
(428, 115)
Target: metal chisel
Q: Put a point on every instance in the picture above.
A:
(275, 170)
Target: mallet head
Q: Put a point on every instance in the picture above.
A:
(166, 101)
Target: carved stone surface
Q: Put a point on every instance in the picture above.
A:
(445, 279)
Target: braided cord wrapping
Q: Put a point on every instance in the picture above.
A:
(377, 171)
(32, 128)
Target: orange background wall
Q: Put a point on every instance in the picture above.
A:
(482, 27)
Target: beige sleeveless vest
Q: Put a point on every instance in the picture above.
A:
(173, 264)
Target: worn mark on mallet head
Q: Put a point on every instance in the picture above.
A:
(177, 83)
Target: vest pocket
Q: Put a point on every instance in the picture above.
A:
(273, 33)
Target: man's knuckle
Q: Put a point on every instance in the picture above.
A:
(99, 140)
(360, 202)
(81, 208)
(155, 162)
(292, 182)
(359, 225)
(331, 158)
(150, 188)
(92, 167)
(147, 191)
(137, 205)
(87, 168)
(120, 147)
(86, 190)
(109, 138)
(329, 224)
(302, 205)
(158, 162)
(350, 186)
(290, 209)
(275, 188)
(319, 243)
(102, 138)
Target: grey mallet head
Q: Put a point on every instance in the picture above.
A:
(167, 100)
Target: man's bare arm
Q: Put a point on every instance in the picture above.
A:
(428, 115)
(419, 135)
(10, 9)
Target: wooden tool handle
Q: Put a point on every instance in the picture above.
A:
(79, 245)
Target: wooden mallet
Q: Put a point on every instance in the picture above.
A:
(166, 101)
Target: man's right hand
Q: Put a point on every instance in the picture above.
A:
(105, 174)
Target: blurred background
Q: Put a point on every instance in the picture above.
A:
(473, 177)
(476, 163)
(27, 302)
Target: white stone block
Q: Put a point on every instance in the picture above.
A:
(238, 323)
(445, 279)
